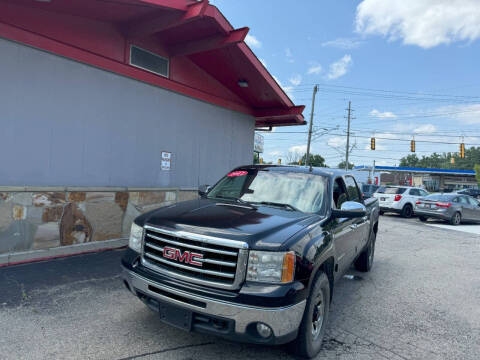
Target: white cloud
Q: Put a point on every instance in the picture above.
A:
(337, 141)
(343, 43)
(296, 80)
(382, 115)
(289, 55)
(425, 23)
(314, 69)
(276, 153)
(340, 67)
(253, 42)
(425, 129)
(301, 149)
(467, 114)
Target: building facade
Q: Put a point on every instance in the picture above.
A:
(109, 109)
(430, 179)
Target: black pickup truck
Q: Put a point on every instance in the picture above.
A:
(256, 257)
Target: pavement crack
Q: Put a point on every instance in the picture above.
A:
(165, 350)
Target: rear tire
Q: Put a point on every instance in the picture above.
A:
(312, 329)
(364, 262)
(456, 219)
(407, 211)
(381, 212)
(423, 218)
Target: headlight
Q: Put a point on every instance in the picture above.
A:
(271, 267)
(135, 241)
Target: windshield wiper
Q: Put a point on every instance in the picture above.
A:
(271, 203)
(234, 199)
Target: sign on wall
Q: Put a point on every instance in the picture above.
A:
(258, 143)
(166, 160)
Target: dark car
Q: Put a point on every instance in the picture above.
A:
(368, 190)
(256, 257)
(471, 192)
(455, 208)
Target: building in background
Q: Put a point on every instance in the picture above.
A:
(111, 108)
(430, 179)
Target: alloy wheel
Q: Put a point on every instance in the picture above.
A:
(318, 315)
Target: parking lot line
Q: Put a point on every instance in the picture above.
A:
(472, 229)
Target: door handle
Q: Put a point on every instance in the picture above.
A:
(353, 226)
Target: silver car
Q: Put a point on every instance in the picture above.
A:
(455, 208)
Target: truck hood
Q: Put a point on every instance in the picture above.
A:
(262, 227)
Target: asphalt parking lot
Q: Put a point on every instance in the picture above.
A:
(420, 301)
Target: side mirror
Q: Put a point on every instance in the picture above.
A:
(350, 210)
(203, 190)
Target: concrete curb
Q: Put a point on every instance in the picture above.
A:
(59, 252)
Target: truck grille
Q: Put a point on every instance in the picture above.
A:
(196, 258)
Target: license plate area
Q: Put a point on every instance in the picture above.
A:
(382, 199)
(175, 316)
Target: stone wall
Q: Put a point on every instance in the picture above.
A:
(45, 218)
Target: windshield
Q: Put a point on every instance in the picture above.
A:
(305, 192)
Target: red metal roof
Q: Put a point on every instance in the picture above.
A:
(208, 56)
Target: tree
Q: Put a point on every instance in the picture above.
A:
(444, 160)
(409, 161)
(342, 165)
(315, 160)
(477, 173)
(293, 157)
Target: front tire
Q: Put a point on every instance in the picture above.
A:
(312, 329)
(456, 219)
(407, 211)
(422, 218)
(364, 262)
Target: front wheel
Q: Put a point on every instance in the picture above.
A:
(312, 329)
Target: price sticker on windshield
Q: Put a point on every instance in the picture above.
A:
(237, 173)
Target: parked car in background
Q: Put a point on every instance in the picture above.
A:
(454, 208)
(368, 190)
(399, 199)
(471, 192)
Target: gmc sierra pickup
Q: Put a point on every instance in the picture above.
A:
(256, 257)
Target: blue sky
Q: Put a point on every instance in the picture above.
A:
(409, 67)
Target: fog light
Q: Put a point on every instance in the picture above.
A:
(264, 330)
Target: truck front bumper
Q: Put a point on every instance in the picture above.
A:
(229, 320)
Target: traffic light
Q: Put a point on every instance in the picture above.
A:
(462, 150)
(412, 146)
(372, 143)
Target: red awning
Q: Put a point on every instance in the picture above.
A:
(188, 29)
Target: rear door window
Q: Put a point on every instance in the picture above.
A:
(352, 189)
(414, 192)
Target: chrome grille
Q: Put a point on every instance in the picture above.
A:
(223, 262)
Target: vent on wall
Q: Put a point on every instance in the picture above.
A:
(149, 61)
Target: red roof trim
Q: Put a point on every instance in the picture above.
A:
(180, 13)
(56, 47)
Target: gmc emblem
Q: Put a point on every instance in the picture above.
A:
(186, 257)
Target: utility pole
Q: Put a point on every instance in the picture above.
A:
(307, 157)
(348, 135)
(373, 173)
